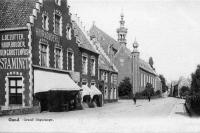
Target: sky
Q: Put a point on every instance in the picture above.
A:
(166, 30)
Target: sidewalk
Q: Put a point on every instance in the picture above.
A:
(179, 109)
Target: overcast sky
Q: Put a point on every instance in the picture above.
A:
(167, 30)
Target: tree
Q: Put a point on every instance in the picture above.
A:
(125, 87)
(163, 81)
(195, 84)
(149, 89)
(184, 90)
(151, 62)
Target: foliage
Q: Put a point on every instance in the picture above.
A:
(125, 87)
(149, 89)
(157, 92)
(184, 91)
(193, 104)
(163, 81)
(195, 84)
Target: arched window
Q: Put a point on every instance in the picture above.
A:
(68, 32)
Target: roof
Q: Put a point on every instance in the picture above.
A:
(104, 64)
(146, 66)
(105, 40)
(84, 41)
(15, 13)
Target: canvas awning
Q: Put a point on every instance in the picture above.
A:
(95, 90)
(86, 91)
(45, 81)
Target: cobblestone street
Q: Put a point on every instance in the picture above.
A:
(164, 114)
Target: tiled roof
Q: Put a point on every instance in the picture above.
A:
(104, 64)
(15, 13)
(144, 65)
(104, 39)
(84, 42)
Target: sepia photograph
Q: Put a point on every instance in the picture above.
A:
(99, 66)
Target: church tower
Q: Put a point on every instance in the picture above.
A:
(135, 67)
(122, 31)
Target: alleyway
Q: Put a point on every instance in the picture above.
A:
(164, 114)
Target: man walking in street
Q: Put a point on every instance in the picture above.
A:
(134, 99)
(149, 97)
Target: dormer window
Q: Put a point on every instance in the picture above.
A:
(58, 2)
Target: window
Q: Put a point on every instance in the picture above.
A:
(112, 78)
(92, 67)
(70, 60)
(84, 64)
(141, 80)
(57, 24)
(68, 32)
(115, 79)
(15, 90)
(106, 92)
(58, 2)
(45, 22)
(105, 77)
(58, 58)
(43, 55)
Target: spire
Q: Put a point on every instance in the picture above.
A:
(122, 22)
(122, 31)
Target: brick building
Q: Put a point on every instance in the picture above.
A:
(39, 51)
(108, 75)
(89, 54)
(129, 64)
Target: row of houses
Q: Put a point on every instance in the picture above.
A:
(45, 54)
(47, 58)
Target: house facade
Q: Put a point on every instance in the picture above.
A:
(108, 75)
(89, 63)
(39, 51)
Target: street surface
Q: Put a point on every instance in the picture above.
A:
(158, 115)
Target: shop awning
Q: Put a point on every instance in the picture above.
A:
(45, 81)
(86, 91)
(95, 90)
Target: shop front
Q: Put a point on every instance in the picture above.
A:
(15, 91)
(55, 91)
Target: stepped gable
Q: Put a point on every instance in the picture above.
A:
(15, 13)
(84, 42)
(105, 40)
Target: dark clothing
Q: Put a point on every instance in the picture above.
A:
(149, 98)
(134, 99)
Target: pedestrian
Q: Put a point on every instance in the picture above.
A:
(149, 97)
(134, 99)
